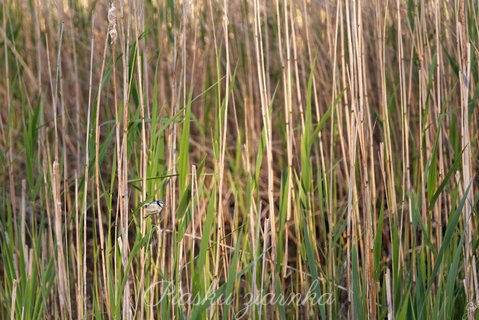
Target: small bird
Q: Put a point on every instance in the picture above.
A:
(154, 207)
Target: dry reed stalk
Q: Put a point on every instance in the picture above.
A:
(38, 43)
(288, 112)
(143, 155)
(439, 107)
(406, 182)
(10, 162)
(104, 263)
(334, 93)
(354, 237)
(87, 165)
(14, 298)
(295, 62)
(388, 164)
(424, 141)
(61, 265)
(343, 129)
(367, 159)
(389, 296)
(266, 239)
(73, 64)
(464, 48)
(265, 103)
(347, 154)
(223, 123)
(79, 284)
(220, 233)
(123, 183)
(119, 172)
(172, 153)
(22, 230)
(195, 196)
(62, 271)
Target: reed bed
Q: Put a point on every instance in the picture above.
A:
(317, 159)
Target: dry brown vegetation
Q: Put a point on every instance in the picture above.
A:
(310, 147)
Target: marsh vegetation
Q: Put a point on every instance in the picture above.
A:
(316, 159)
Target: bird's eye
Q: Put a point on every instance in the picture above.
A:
(158, 202)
